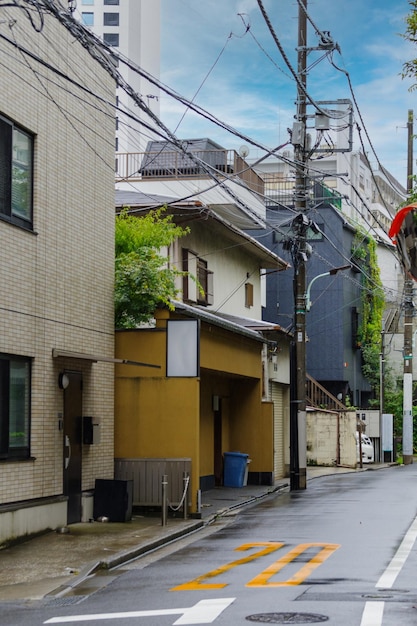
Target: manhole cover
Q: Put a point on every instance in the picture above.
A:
(287, 618)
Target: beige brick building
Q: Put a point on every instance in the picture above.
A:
(56, 277)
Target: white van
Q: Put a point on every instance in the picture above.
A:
(367, 449)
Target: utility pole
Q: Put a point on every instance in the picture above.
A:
(408, 327)
(381, 396)
(298, 443)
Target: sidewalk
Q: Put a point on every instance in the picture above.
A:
(55, 562)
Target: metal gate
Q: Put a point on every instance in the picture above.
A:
(277, 396)
(147, 478)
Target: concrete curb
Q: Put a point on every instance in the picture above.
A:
(128, 555)
(252, 500)
(132, 553)
(124, 557)
(169, 537)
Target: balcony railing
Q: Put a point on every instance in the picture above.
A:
(318, 397)
(280, 188)
(172, 164)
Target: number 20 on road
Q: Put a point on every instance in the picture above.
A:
(319, 553)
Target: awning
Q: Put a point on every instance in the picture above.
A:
(93, 358)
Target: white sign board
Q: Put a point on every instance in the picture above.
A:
(183, 348)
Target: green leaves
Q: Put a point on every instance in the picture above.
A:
(154, 230)
(143, 278)
(410, 67)
(372, 306)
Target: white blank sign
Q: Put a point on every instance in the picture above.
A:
(183, 348)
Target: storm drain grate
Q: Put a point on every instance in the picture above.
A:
(64, 601)
(287, 618)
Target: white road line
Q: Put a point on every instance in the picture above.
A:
(388, 577)
(372, 614)
(204, 612)
(374, 611)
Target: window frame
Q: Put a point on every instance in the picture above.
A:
(196, 276)
(111, 19)
(205, 279)
(8, 132)
(90, 20)
(111, 35)
(249, 295)
(8, 451)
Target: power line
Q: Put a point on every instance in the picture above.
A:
(170, 137)
(296, 75)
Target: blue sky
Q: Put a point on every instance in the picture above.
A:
(242, 78)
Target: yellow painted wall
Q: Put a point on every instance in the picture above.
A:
(159, 418)
(247, 422)
(173, 417)
(226, 424)
(212, 385)
(206, 442)
(252, 425)
(145, 346)
(230, 353)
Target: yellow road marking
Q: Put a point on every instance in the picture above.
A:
(197, 583)
(262, 580)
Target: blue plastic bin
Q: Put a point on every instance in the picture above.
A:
(234, 469)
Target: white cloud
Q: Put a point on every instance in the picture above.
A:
(246, 90)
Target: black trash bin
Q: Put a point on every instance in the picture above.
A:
(113, 499)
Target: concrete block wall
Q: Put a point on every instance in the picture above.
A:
(331, 438)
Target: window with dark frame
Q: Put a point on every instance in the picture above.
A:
(354, 314)
(198, 281)
(15, 394)
(204, 277)
(111, 2)
(111, 19)
(16, 174)
(111, 39)
(248, 295)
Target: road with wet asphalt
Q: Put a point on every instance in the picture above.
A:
(341, 552)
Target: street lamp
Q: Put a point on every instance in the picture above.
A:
(331, 272)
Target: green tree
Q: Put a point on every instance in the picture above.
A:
(410, 67)
(143, 279)
(364, 251)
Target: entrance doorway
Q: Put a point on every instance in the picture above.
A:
(73, 445)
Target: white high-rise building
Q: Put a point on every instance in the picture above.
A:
(132, 27)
